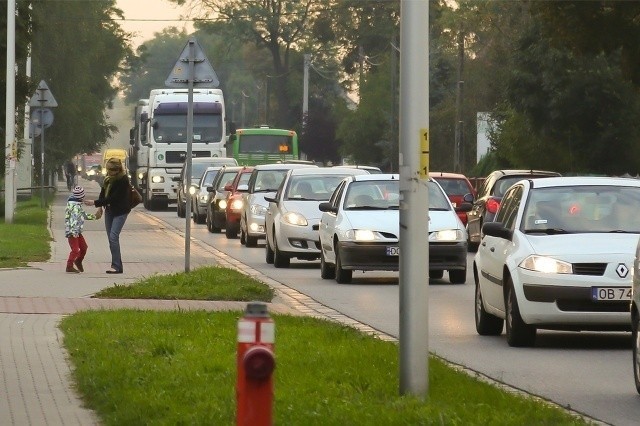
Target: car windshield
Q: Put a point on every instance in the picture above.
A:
(268, 180)
(312, 187)
(208, 177)
(227, 177)
(372, 195)
(454, 186)
(582, 209)
(437, 199)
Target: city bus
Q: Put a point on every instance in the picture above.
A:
(264, 145)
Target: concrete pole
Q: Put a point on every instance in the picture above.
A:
(305, 89)
(192, 77)
(414, 197)
(10, 111)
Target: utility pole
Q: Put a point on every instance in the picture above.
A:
(305, 90)
(459, 140)
(10, 108)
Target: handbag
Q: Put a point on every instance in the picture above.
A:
(134, 196)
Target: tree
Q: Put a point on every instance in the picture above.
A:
(275, 25)
(78, 49)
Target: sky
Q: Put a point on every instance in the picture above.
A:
(145, 17)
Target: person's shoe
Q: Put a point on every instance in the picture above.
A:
(72, 269)
(113, 271)
(78, 264)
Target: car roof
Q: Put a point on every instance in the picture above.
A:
(327, 171)
(358, 166)
(447, 175)
(283, 166)
(215, 160)
(378, 176)
(583, 180)
(524, 172)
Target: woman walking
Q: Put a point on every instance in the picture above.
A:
(114, 197)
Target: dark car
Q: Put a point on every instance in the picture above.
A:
(198, 166)
(489, 196)
(235, 201)
(217, 202)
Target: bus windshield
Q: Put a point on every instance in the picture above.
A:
(172, 128)
(268, 144)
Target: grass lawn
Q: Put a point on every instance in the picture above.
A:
(137, 367)
(27, 238)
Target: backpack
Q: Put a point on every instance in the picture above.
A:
(134, 196)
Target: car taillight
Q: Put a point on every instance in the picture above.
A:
(492, 205)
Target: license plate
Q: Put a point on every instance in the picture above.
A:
(610, 293)
(393, 251)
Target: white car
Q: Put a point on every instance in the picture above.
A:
(292, 219)
(558, 256)
(200, 194)
(265, 180)
(359, 230)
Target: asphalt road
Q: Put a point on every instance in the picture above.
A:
(588, 372)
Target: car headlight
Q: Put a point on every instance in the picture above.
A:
(157, 179)
(361, 235)
(546, 265)
(192, 190)
(294, 218)
(237, 204)
(258, 210)
(446, 235)
(140, 175)
(222, 204)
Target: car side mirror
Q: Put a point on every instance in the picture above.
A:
(271, 200)
(496, 229)
(211, 189)
(468, 198)
(464, 207)
(327, 207)
(228, 187)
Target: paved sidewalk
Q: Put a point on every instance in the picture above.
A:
(35, 388)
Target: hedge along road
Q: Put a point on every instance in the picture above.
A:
(589, 372)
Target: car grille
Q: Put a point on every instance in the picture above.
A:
(589, 268)
(590, 306)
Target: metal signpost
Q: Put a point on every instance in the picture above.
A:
(199, 73)
(42, 118)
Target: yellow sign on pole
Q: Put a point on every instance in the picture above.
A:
(424, 153)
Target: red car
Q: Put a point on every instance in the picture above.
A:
(456, 186)
(235, 201)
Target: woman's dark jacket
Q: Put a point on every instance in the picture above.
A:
(118, 200)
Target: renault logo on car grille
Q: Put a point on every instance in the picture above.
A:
(622, 270)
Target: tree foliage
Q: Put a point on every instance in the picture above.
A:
(77, 50)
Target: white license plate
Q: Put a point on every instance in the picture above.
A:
(393, 251)
(610, 293)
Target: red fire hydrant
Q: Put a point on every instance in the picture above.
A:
(256, 362)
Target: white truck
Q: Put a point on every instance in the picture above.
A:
(159, 139)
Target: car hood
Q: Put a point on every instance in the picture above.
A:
(309, 209)
(375, 220)
(443, 219)
(258, 198)
(596, 244)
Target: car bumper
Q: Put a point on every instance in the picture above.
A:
(255, 226)
(299, 241)
(367, 256)
(448, 256)
(571, 306)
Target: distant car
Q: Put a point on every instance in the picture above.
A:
(198, 166)
(217, 201)
(94, 172)
(235, 202)
(489, 196)
(558, 256)
(292, 218)
(371, 169)
(265, 181)
(359, 230)
(200, 194)
(458, 189)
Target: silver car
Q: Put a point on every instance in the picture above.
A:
(200, 195)
(265, 180)
(293, 215)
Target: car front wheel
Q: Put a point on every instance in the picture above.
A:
(486, 324)
(280, 260)
(458, 276)
(519, 334)
(635, 336)
(343, 276)
(327, 271)
(268, 252)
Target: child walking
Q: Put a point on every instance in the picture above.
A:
(74, 217)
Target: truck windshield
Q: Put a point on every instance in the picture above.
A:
(172, 128)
